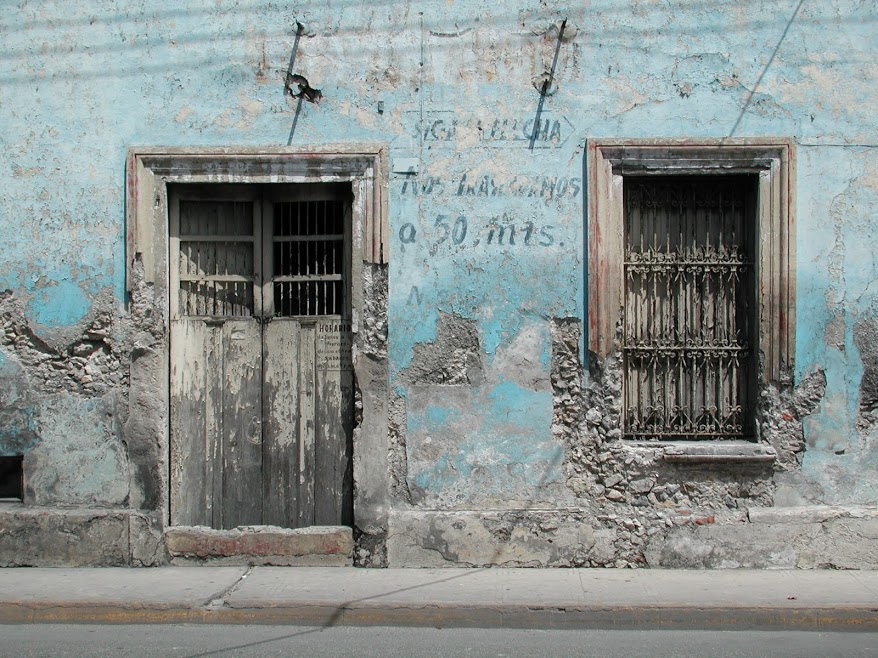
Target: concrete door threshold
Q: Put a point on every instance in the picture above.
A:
(323, 546)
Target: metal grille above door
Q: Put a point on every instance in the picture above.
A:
(261, 376)
(689, 302)
(308, 247)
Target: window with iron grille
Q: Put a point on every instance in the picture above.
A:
(688, 307)
(691, 280)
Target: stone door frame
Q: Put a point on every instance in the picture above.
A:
(149, 171)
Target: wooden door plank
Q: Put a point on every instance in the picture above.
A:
(333, 423)
(213, 450)
(280, 451)
(307, 404)
(190, 466)
(241, 382)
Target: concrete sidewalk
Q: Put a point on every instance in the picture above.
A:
(521, 598)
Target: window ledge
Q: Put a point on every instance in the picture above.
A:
(731, 452)
(707, 452)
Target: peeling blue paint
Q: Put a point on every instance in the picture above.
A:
(58, 305)
(511, 401)
(494, 465)
(438, 416)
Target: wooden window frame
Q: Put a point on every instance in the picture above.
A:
(178, 195)
(261, 237)
(773, 160)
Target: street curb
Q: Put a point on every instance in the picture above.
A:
(730, 618)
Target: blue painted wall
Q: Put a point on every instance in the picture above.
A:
(452, 86)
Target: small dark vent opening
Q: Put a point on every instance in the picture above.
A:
(11, 478)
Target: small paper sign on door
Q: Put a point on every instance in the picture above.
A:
(334, 341)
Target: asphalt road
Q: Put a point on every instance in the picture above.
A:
(59, 641)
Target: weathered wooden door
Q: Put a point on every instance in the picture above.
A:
(261, 381)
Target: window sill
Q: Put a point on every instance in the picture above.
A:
(711, 452)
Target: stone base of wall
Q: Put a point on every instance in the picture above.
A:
(55, 537)
(52, 537)
(324, 546)
(780, 538)
(807, 537)
(813, 537)
(515, 538)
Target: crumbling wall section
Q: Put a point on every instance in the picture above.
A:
(780, 414)
(67, 389)
(454, 358)
(628, 500)
(73, 402)
(372, 338)
(631, 501)
(866, 341)
(91, 364)
(373, 436)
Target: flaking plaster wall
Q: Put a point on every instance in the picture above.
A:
(500, 429)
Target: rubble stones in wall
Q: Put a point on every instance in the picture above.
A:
(589, 455)
(567, 398)
(566, 376)
(91, 365)
(454, 358)
(780, 413)
(370, 550)
(866, 340)
(397, 458)
(373, 328)
(639, 476)
(628, 489)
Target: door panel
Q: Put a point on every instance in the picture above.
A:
(241, 423)
(307, 405)
(216, 435)
(192, 422)
(334, 422)
(280, 396)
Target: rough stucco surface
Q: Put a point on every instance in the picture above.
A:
(51, 537)
(485, 433)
